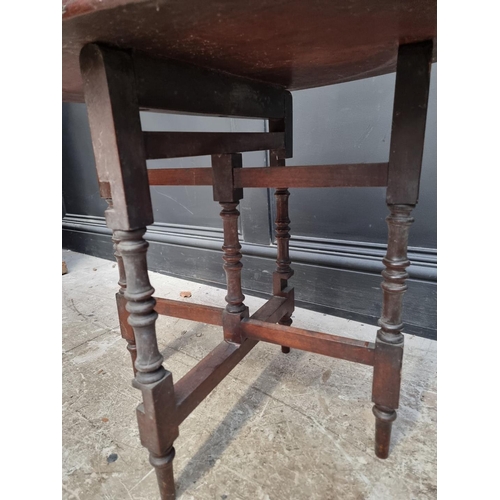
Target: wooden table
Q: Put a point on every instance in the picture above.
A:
(241, 59)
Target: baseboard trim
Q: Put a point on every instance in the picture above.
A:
(334, 254)
(335, 288)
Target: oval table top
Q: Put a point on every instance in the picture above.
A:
(296, 44)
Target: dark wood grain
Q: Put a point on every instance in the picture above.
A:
(172, 85)
(202, 176)
(158, 430)
(408, 122)
(190, 311)
(126, 329)
(287, 126)
(164, 473)
(223, 174)
(140, 305)
(387, 375)
(122, 278)
(111, 98)
(384, 417)
(395, 275)
(305, 340)
(229, 196)
(224, 192)
(274, 309)
(232, 259)
(197, 384)
(292, 43)
(390, 340)
(181, 144)
(353, 175)
(282, 232)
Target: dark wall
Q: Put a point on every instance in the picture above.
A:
(338, 235)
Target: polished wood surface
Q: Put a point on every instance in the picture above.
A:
(292, 43)
(182, 144)
(187, 310)
(353, 175)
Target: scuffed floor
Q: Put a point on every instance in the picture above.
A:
(279, 427)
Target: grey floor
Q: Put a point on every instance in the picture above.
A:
(296, 426)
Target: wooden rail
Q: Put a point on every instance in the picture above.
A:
(180, 144)
(274, 309)
(199, 382)
(351, 175)
(305, 340)
(188, 310)
(180, 176)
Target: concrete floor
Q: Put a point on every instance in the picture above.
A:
(296, 426)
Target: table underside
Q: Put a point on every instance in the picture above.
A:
(295, 44)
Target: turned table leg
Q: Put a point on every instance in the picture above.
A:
(156, 425)
(232, 258)
(282, 230)
(112, 106)
(126, 330)
(282, 221)
(390, 340)
(405, 161)
(229, 197)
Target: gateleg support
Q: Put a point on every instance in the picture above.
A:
(229, 196)
(281, 289)
(282, 229)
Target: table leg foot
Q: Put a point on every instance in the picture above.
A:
(287, 321)
(165, 473)
(384, 417)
